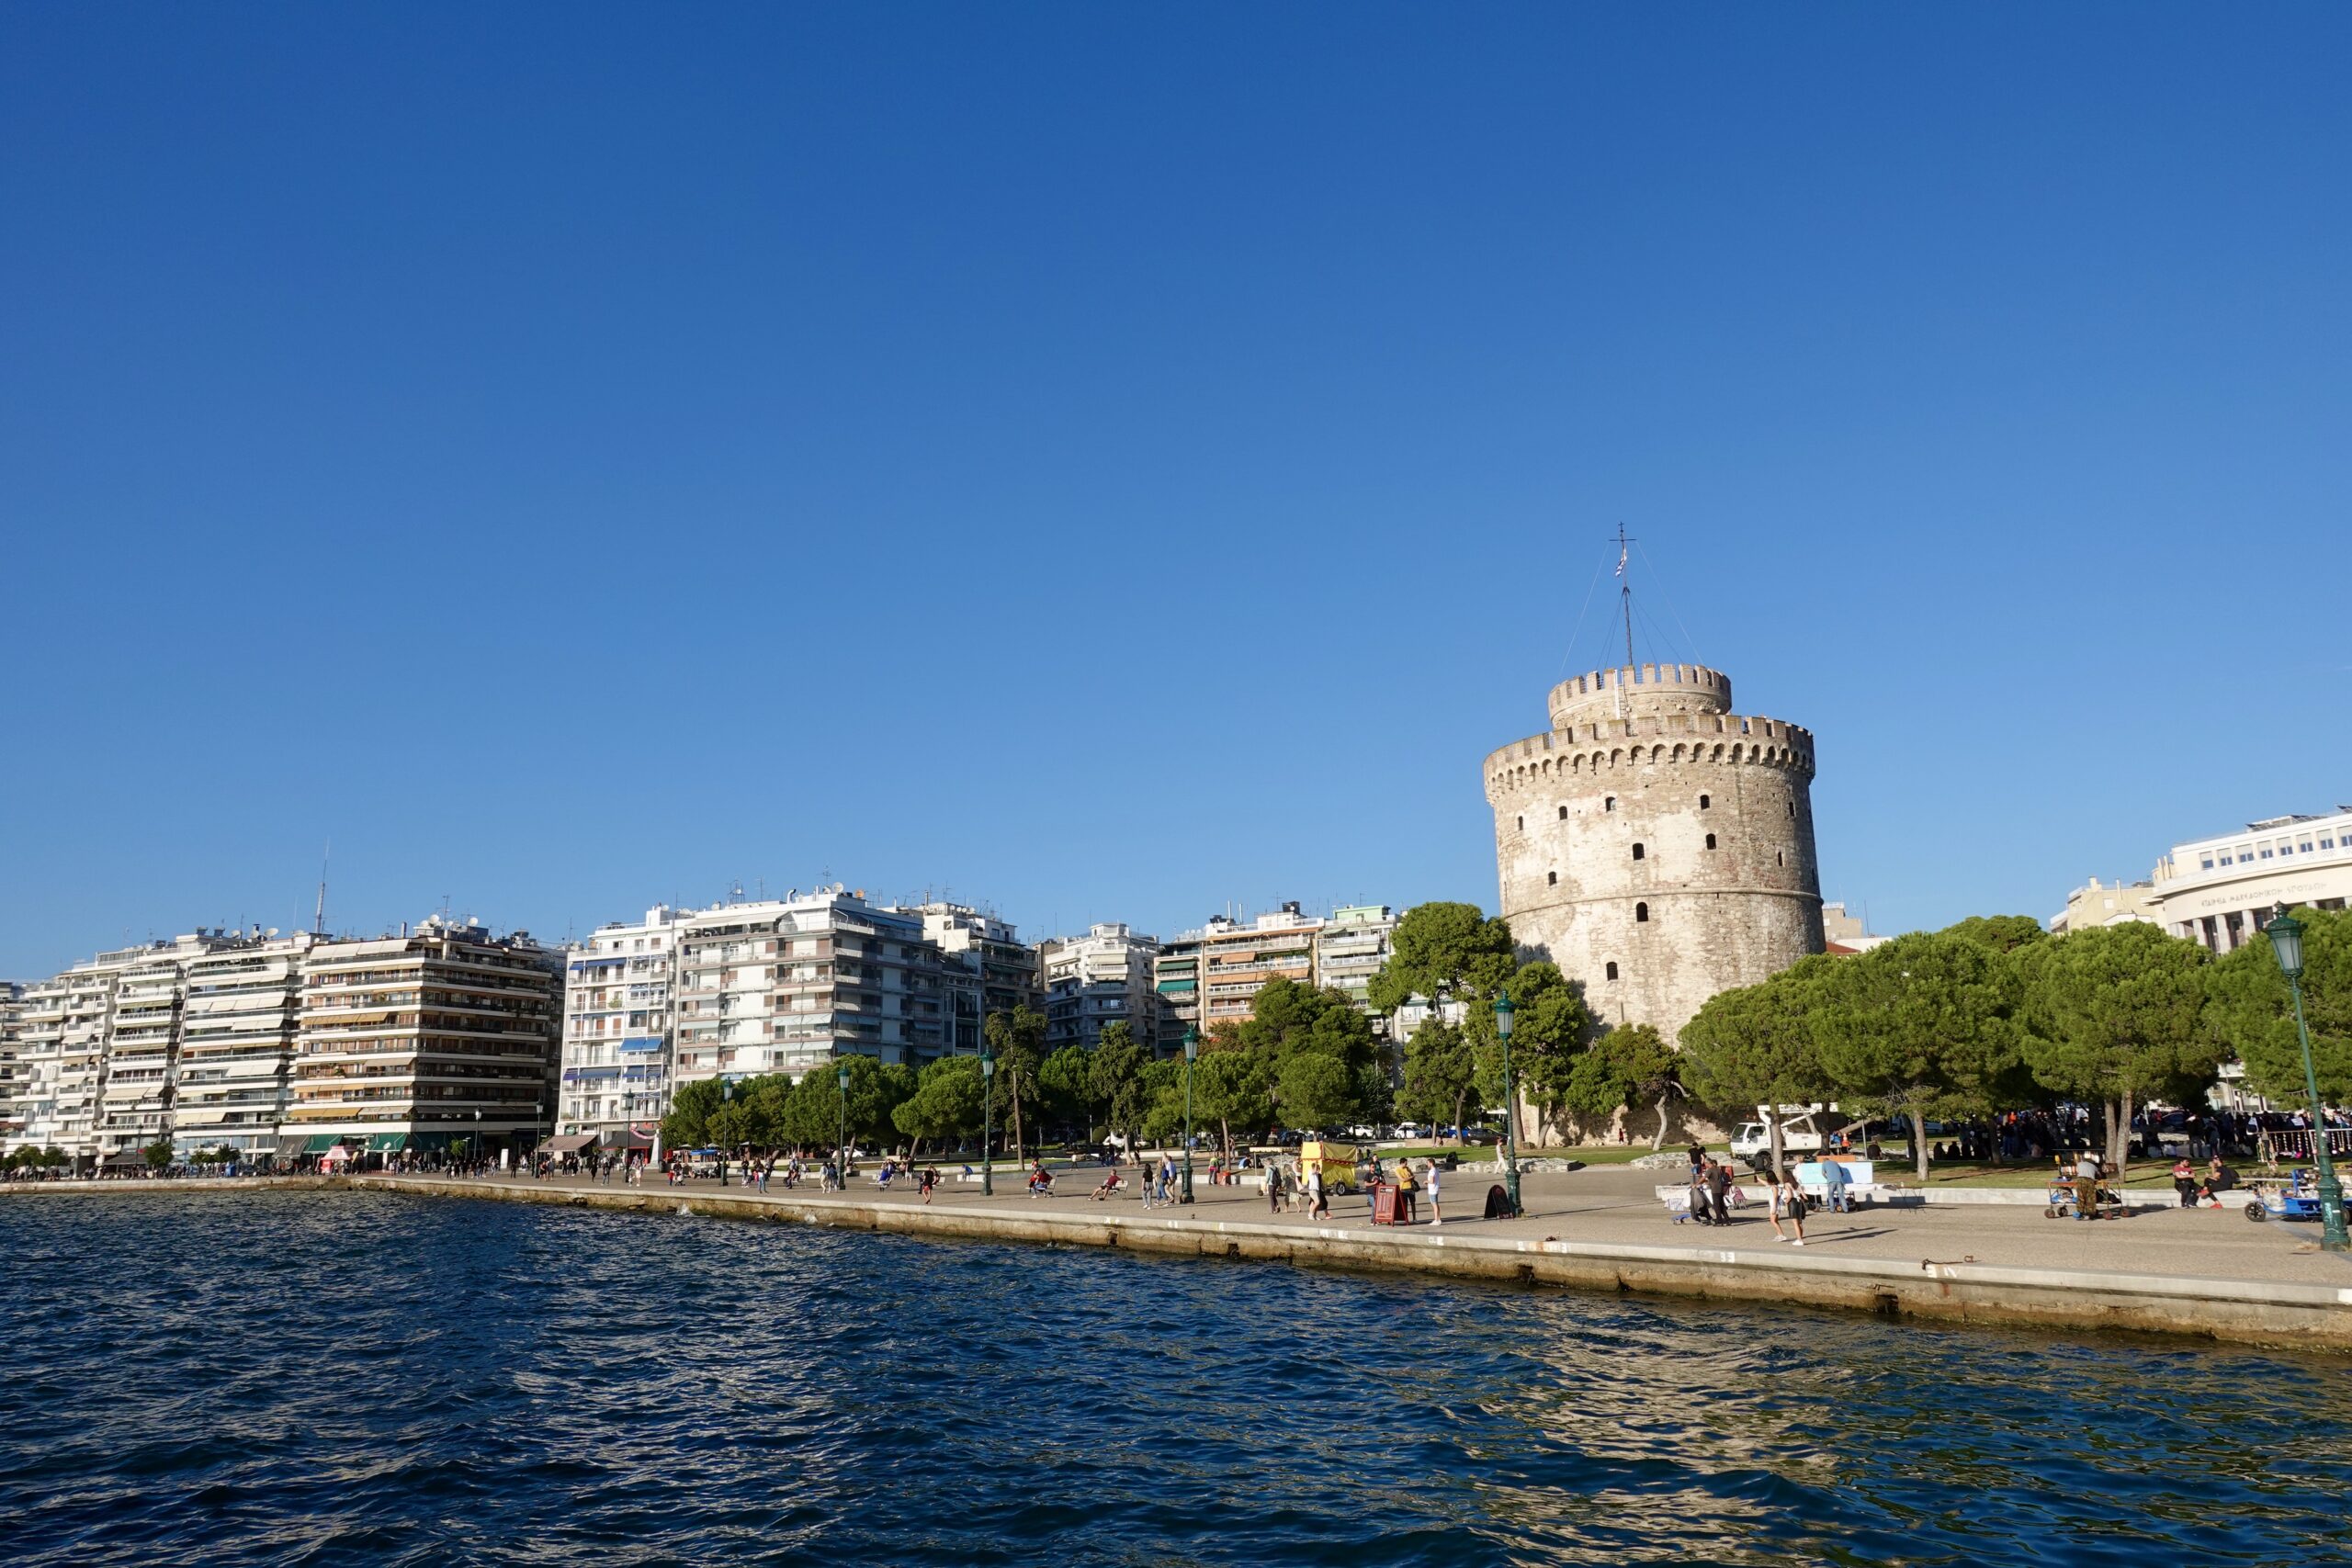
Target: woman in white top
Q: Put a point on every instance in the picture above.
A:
(1788, 1203)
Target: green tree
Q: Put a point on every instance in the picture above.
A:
(1290, 1022)
(1440, 945)
(1018, 1041)
(2002, 934)
(1628, 1067)
(1115, 1079)
(1550, 1026)
(2254, 1009)
(1441, 1074)
(159, 1154)
(1318, 1091)
(1754, 1047)
(1067, 1085)
(946, 1106)
(688, 1126)
(2115, 1015)
(1232, 1086)
(1918, 1025)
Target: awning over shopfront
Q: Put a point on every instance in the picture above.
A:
(291, 1148)
(126, 1159)
(571, 1143)
(387, 1143)
(318, 1143)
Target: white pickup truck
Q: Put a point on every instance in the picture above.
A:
(1799, 1135)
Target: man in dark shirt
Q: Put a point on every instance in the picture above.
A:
(1718, 1179)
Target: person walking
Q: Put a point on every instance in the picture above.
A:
(1318, 1207)
(1788, 1203)
(1273, 1184)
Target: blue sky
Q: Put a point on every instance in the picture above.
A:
(1115, 461)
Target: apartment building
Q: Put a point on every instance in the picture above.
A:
(238, 1022)
(409, 1042)
(1208, 977)
(783, 986)
(1103, 978)
(989, 968)
(618, 1037)
(40, 1031)
(1352, 947)
(12, 1018)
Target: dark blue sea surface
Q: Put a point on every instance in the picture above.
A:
(362, 1379)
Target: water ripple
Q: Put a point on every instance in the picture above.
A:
(366, 1378)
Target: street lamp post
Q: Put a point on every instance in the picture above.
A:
(1510, 1104)
(841, 1146)
(988, 1120)
(1192, 1050)
(2286, 934)
(725, 1096)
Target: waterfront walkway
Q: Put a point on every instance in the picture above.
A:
(1617, 1205)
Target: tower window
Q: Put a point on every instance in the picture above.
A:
(1780, 859)
(1612, 971)
(1522, 823)
(1641, 914)
(1551, 879)
(1609, 803)
(1637, 851)
(1564, 813)
(1704, 802)
(1792, 806)
(1710, 840)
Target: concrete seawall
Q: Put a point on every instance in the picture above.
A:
(2244, 1311)
(2266, 1312)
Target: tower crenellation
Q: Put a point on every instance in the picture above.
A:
(1655, 845)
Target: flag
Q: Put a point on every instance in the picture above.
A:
(1621, 560)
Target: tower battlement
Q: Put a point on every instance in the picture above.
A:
(1639, 691)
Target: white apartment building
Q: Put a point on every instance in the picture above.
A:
(990, 969)
(238, 1031)
(617, 1033)
(41, 1031)
(12, 1014)
(442, 1036)
(1098, 979)
(2218, 891)
(785, 985)
(1352, 947)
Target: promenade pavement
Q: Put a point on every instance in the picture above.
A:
(1613, 1204)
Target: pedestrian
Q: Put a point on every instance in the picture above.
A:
(1407, 1187)
(1435, 1217)
(1788, 1203)
(2087, 1186)
(1836, 1184)
(1273, 1185)
(1717, 1177)
(1318, 1205)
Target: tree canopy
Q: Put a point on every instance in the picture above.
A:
(2253, 1009)
(2115, 1016)
(1456, 947)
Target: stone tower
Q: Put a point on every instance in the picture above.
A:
(1655, 845)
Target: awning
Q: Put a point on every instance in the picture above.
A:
(571, 1143)
(318, 1143)
(634, 1142)
(127, 1157)
(387, 1143)
(290, 1148)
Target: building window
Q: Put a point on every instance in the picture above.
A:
(1564, 813)
(2265, 854)
(1710, 840)
(1792, 806)
(1641, 914)
(1612, 971)
(2207, 864)
(1704, 802)
(1522, 828)
(1637, 851)
(1780, 859)
(2323, 843)
(1609, 803)
(1551, 879)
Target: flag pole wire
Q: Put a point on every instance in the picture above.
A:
(1569, 652)
(1688, 640)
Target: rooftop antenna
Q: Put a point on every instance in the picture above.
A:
(1625, 598)
(319, 915)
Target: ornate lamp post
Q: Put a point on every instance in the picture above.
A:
(1510, 1104)
(841, 1081)
(1191, 1051)
(988, 1120)
(2286, 934)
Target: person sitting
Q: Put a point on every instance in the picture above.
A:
(2219, 1178)
(2184, 1181)
(1041, 1181)
(1110, 1187)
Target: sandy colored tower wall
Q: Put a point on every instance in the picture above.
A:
(1570, 805)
